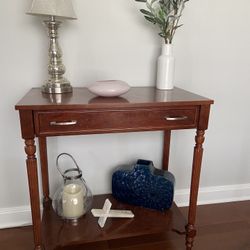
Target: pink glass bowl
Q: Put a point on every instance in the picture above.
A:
(108, 88)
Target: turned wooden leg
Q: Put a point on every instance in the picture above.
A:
(31, 163)
(44, 169)
(197, 159)
(166, 149)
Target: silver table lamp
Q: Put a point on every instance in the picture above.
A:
(57, 83)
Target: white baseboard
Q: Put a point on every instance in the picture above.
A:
(217, 194)
(21, 216)
(15, 217)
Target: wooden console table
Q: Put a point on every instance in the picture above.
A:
(79, 113)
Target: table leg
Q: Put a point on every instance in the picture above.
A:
(31, 164)
(44, 168)
(166, 149)
(197, 159)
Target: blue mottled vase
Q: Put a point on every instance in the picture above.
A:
(144, 185)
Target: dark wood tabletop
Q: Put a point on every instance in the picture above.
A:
(82, 98)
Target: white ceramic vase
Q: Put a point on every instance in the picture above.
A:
(166, 68)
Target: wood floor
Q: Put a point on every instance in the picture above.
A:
(220, 227)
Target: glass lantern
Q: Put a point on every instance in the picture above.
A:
(73, 198)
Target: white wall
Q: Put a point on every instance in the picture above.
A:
(111, 40)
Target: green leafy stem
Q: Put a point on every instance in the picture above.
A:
(165, 14)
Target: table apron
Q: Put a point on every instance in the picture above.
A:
(54, 123)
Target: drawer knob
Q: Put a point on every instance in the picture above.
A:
(176, 118)
(66, 123)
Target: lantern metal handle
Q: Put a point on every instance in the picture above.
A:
(71, 169)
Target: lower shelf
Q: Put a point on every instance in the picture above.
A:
(60, 234)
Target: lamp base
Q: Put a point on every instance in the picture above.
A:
(56, 84)
(52, 87)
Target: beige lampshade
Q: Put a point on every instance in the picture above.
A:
(59, 8)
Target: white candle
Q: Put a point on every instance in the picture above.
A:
(73, 201)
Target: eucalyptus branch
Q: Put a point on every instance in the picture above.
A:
(165, 14)
(176, 23)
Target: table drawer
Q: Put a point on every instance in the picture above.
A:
(83, 122)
